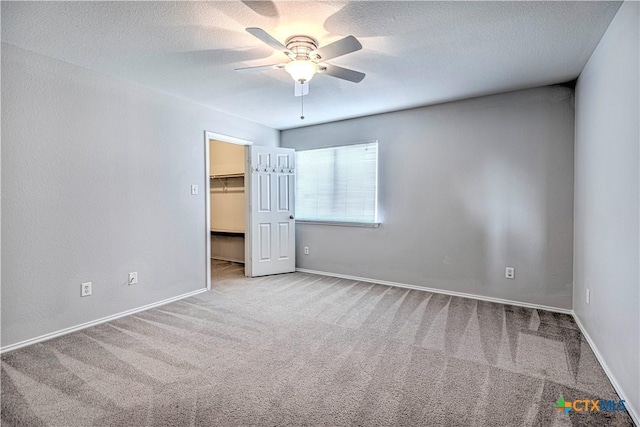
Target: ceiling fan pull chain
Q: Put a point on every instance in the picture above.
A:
(302, 106)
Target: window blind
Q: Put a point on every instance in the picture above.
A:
(338, 184)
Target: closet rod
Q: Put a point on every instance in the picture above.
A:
(222, 177)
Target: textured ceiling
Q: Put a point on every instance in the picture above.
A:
(414, 53)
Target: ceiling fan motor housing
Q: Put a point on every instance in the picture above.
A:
(302, 46)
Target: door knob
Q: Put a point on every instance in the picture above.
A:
(291, 217)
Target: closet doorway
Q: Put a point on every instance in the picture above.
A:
(227, 201)
(250, 203)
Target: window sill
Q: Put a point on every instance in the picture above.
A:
(340, 224)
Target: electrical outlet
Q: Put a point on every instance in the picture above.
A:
(194, 189)
(588, 296)
(510, 273)
(133, 278)
(85, 289)
(306, 250)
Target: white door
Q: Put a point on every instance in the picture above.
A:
(271, 242)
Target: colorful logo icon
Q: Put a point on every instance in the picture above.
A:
(589, 405)
(561, 405)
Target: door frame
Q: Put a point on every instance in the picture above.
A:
(208, 135)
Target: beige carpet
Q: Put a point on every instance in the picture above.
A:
(300, 349)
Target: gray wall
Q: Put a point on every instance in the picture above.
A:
(96, 176)
(606, 200)
(466, 189)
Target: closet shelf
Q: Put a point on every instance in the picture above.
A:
(226, 231)
(228, 175)
(223, 178)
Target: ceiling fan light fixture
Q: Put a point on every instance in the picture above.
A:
(301, 70)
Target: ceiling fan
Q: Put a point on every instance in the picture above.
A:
(307, 58)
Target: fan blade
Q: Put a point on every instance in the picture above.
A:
(259, 68)
(342, 73)
(338, 48)
(301, 89)
(265, 37)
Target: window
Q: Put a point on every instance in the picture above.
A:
(338, 184)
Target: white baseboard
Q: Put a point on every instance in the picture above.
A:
(66, 331)
(633, 412)
(440, 291)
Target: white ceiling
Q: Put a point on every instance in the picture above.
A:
(414, 53)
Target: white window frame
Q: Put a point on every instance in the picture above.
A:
(374, 224)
